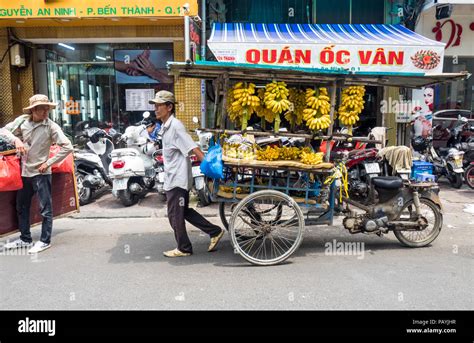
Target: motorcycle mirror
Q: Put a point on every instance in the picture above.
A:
(195, 120)
(146, 115)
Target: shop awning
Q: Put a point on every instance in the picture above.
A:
(356, 48)
(306, 76)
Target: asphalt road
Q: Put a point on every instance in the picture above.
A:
(100, 262)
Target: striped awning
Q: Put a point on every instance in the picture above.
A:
(353, 34)
(356, 47)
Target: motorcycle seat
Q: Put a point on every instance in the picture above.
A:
(387, 182)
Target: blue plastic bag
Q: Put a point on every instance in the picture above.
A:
(212, 165)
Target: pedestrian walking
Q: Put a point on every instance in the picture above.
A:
(177, 145)
(38, 133)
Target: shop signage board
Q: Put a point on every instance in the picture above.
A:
(358, 48)
(137, 99)
(94, 9)
(457, 32)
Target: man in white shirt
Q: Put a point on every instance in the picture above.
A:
(177, 144)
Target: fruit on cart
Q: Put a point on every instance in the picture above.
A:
(276, 99)
(289, 153)
(229, 189)
(268, 154)
(262, 110)
(311, 157)
(318, 106)
(352, 104)
(295, 114)
(243, 102)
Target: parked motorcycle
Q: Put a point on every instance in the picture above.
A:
(132, 168)
(448, 163)
(92, 163)
(411, 210)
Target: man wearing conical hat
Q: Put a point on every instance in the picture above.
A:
(33, 134)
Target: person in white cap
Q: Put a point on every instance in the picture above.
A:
(38, 133)
(177, 145)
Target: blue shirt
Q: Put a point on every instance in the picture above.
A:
(154, 134)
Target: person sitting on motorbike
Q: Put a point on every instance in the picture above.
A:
(152, 128)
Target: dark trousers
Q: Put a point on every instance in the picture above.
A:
(40, 184)
(179, 211)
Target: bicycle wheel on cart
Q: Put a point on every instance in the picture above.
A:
(266, 227)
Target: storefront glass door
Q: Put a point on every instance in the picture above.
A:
(84, 92)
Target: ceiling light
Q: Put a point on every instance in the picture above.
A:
(65, 20)
(67, 46)
(20, 21)
(100, 58)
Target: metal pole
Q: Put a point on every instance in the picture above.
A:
(187, 47)
(203, 58)
(331, 115)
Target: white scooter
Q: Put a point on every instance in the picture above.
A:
(132, 168)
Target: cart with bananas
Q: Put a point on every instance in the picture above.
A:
(269, 193)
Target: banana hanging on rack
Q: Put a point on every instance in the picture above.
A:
(316, 114)
(276, 99)
(242, 102)
(295, 114)
(352, 104)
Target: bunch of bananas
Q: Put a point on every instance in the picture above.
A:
(240, 151)
(276, 99)
(295, 115)
(232, 111)
(228, 189)
(311, 157)
(352, 104)
(243, 102)
(289, 154)
(268, 154)
(262, 110)
(317, 114)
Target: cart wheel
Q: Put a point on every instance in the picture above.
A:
(266, 227)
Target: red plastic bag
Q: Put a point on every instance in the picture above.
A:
(10, 174)
(65, 166)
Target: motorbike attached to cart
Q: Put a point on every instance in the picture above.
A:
(266, 204)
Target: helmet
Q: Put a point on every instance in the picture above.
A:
(419, 143)
(149, 122)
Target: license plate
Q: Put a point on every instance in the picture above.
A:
(197, 171)
(120, 184)
(372, 168)
(199, 183)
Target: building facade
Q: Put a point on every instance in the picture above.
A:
(99, 61)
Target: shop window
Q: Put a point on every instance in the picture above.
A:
(367, 12)
(264, 11)
(458, 94)
(332, 12)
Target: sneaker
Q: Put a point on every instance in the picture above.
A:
(176, 253)
(18, 243)
(38, 247)
(215, 240)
